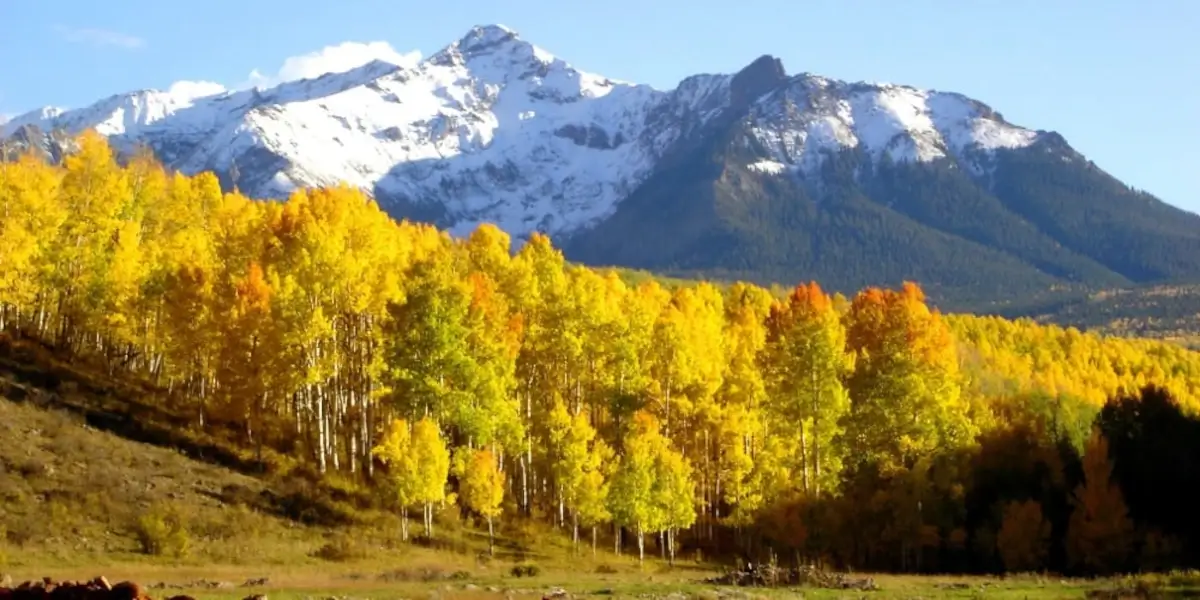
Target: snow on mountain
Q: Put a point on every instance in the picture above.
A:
(122, 114)
(493, 128)
(812, 115)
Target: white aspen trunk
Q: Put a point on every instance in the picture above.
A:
(322, 443)
(491, 538)
(431, 518)
(667, 423)
(335, 416)
(527, 463)
(803, 459)
(816, 417)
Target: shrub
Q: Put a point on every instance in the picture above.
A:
(23, 531)
(161, 532)
(526, 570)
(341, 548)
(32, 468)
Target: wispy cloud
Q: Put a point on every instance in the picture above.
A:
(100, 37)
(331, 59)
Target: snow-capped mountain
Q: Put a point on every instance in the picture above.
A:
(494, 128)
(758, 174)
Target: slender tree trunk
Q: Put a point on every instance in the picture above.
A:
(593, 541)
(803, 459)
(429, 520)
(322, 432)
(641, 544)
(667, 421)
(816, 400)
(527, 461)
(491, 538)
(575, 528)
(525, 485)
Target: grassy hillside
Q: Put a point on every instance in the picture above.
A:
(81, 484)
(71, 491)
(83, 488)
(79, 500)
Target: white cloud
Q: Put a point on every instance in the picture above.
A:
(195, 89)
(100, 37)
(332, 59)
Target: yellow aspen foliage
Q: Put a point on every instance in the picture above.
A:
(805, 362)
(482, 489)
(433, 467)
(30, 216)
(397, 452)
(874, 432)
(906, 387)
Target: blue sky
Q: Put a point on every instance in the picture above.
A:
(1119, 79)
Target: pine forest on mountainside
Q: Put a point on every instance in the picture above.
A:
(867, 431)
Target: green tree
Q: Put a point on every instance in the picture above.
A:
(905, 388)
(805, 361)
(427, 352)
(631, 496)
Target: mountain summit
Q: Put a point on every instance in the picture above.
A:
(757, 174)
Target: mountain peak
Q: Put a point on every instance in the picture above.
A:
(759, 77)
(486, 35)
(482, 39)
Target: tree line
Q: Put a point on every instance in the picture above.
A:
(869, 432)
